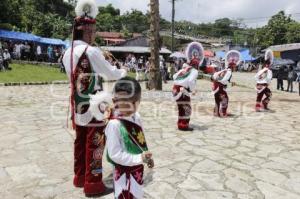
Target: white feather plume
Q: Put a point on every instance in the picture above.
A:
(194, 46)
(233, 55)
(86, 7)
(98, 104)
(269, 55)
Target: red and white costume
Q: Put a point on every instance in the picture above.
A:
(125, 145)
(84, 64)
(221, 80)
(185, 82)
(263, 79)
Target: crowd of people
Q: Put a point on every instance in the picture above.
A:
(141, 66)
(289, 73)
(27, 51)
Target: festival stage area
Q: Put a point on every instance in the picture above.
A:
(246, 156)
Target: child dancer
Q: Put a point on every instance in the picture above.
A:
(126, 145)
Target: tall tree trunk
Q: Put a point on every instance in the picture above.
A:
(155, 81)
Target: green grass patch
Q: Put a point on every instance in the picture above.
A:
(35, 73)
(32, 73)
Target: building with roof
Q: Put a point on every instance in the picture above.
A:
(287, 51)
(114, 38)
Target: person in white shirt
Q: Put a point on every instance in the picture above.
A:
(263, 79)
(18, 50)
(84, 64)
(38, 52)
(126, 144)
(139, 70)
(6, 59)
(220, 81)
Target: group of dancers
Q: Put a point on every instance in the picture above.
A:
(185, 84)
(102, 119)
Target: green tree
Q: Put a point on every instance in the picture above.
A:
(108, 19)
(10, 14)
(293, 32)
(135, 21)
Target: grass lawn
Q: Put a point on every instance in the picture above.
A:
(34, 73)
(31, 73)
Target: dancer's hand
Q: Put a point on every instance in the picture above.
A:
(150, 163)
(146, 156)
(194, 93)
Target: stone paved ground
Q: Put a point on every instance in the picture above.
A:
(249, 155)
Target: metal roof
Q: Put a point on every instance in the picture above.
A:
(285, 47)
(133, 49)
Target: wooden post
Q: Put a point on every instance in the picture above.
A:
(155, 81)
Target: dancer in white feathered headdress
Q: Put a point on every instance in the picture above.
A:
(86, 8)
(185, 81)
(85, 65)
(221, 80)
(263, 79)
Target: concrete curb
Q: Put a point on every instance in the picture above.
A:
(41, 83)
(32, 83)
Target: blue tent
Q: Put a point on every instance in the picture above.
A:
(49, 41)
(20, 36)
(246, 55)
(221, 54)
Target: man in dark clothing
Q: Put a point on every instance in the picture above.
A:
(290, 79)
(280, 77)
(298, 80)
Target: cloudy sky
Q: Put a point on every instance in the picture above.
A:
(255, 12)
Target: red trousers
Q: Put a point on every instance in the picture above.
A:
(221, 100)
(88, 151)
(136, 172)
(184, 112)
(260, 102)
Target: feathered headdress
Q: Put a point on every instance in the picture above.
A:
(86, 8)
(233, 57)
(269, 57)
(195, 54)
(100, 104)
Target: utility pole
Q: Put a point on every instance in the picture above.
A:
(173, 24)
(155, 81)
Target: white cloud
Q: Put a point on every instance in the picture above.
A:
(199, 11)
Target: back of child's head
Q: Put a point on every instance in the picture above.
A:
(127, 89)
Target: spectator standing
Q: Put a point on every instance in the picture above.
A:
(17, 50)
(50, 53)
(1, 60)
(38, 52)
(6, 59)
(147, 68)
(171, 70)
(133, 63)
(290, 79)
(280, 77)
(163, 70)
(27, 49)
(298, 80)
(139, 69)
